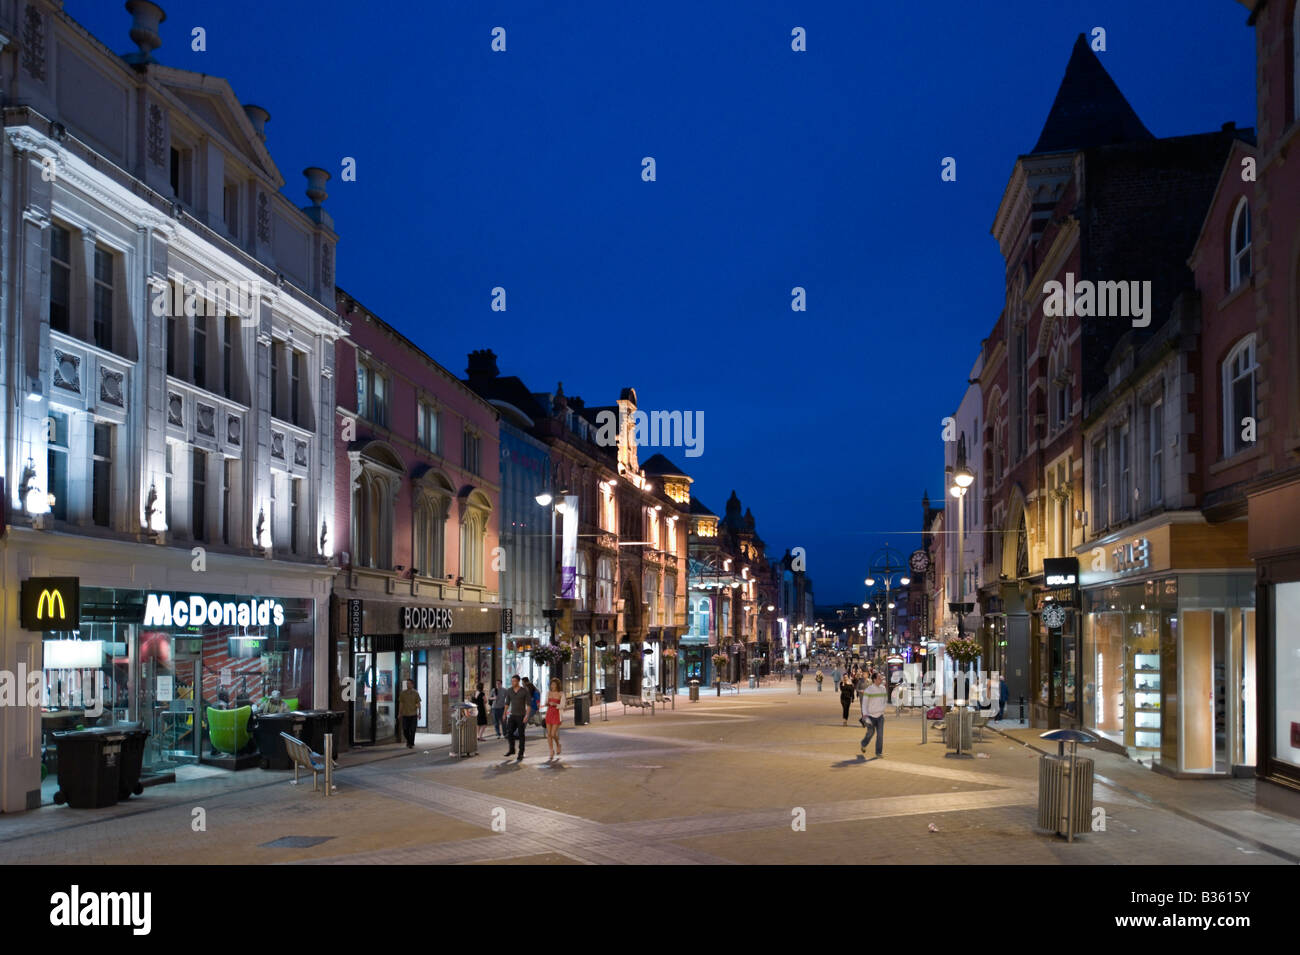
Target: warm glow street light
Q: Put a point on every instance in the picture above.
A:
(543, 499)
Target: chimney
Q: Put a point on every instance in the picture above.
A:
(482, 366)
(144, 30)
(258, 117)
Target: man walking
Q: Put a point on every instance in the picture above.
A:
(1003, 695)
(798, 681)
(408, 708)
(498, 708)
(874, 698)
(518, 701)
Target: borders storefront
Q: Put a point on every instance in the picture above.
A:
(446, 650)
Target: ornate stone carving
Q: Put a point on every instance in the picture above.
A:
(175, 409)
(67, 371)
(205, 420)
(232, 430)
(34, 43)
(277, 445)
(110, 387)
(157, 143)
(300, 453)
(263, 218)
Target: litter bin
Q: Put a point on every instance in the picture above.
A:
(1065, 786)
(753, 682)
(267, 728)
(132, 761)
(89, 766)
(959, 721)
(464, 729)
(316, 724)
(695, 691)
(581, 711)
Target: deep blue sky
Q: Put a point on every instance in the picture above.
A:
(775, 169)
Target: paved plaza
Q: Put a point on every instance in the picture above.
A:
(723, 780)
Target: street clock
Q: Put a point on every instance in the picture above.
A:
(920, 561)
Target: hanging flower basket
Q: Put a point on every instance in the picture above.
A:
(964, 650)
(553, 654)
(670, 654)
(719, 659)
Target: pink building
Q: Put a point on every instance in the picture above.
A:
(417, 508)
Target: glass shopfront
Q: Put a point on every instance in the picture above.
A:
(1169, 670)
(1285, 715)
(189, 668)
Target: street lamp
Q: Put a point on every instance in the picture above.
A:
(962, 478)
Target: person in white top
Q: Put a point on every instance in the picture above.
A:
(874, 698)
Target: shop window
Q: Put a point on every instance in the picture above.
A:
(1238, 396)
(60, 279)
(1286, 676)
(102, 474)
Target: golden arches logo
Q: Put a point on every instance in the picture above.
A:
(50, 598)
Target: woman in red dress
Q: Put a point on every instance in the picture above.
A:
(554, 700)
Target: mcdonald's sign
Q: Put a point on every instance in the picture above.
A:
(51, 603)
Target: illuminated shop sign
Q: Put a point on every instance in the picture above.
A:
(426, 618)
(50, 603)
(166, 610)
(1132, 556)
(1061, 571)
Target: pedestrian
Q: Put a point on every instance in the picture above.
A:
(554, 700)
(1003, 695)
(498, 701)
(798, 681)
(874, 699)
(408, 709)
(846, 696)
(479, 699)
(835, 675)
(517, 702)
(819, 680)
(535, 700)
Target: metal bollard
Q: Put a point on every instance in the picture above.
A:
(1022, 709)
(329, 763)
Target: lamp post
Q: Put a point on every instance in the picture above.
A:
(961, 479)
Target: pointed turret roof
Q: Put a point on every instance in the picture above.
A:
(1089, 109)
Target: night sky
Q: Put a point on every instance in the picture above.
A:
(775, 169)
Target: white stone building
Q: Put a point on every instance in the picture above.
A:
(167, 367)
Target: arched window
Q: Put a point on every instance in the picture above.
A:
(428, 550)
(1058, 371)
(473, 533)
(1239, 396)
(1239, 266)
(376, 478)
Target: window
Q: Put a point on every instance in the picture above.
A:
(295, 499)
(295, 385)
(373, 505)
(1059, 373)
(1100, 501)
(429, 526)
(175, 171)
(275, 379)
(167, 487)
(471, 455)
(199, 496)
(1156, 445)
(472, 531)
(650, 592)
(228, 356)
(103, 298)
(171, 346)
(670, 601)
(102, 475)
(1124, 482)
(200, 351)
(60, 278)
(1238, 395)
(426, 426)
(582, 584)
(372, 395)
(1021, 371)
(56, 461)
(1239, 269)
(227, 516)
(604, 585)
(700, 611)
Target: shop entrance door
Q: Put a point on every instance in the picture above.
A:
(363, 707)
(179, 726)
